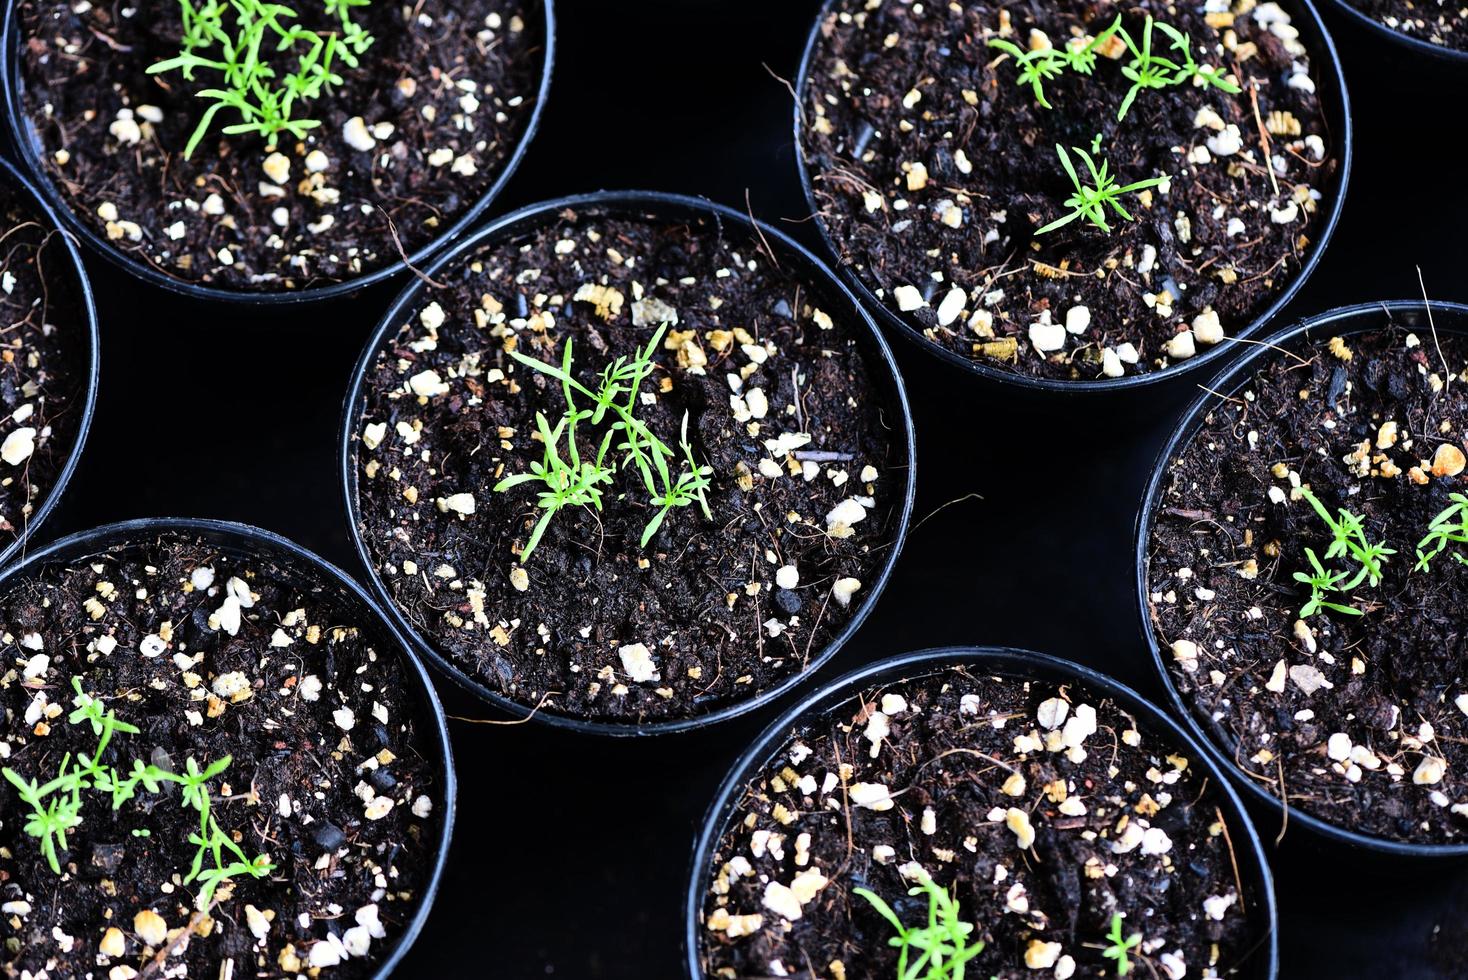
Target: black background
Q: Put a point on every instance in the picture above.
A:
(572, 852)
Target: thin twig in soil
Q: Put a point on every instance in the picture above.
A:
(1263, 134)
(845, 807)
(838, 174)
(1284, 802)
(1232, 857)
(1267, 272)
(956, 751)
(788, 87)
(765, 245)
(815, 628)
(957, 500)
(1447, 371)
(800, 398)
(180, 942)
(1264, 343)
(392, 229)
(1227, 398)
(516, 721)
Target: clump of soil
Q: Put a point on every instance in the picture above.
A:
(1043, 809)
(407, 144)
(1360, 720)
(43, 358)
(1444, 24)
(331, 770)
(932, 171)
(783, 400)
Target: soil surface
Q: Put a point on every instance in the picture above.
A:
(1360, 720)
(932, 170)
(440, 100)
(331, 772)
(783, 400)
(1043, 810)
(1443, 23)
(43, 361)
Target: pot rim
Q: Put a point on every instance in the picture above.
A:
(92, 359)
(257, 541)
(1407, 42)
(16, 125)
(654, 203)
(1338, 114)
(1003, 661)
(1341, 320)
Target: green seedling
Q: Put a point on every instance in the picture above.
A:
(1120, 946)
(1045, 64)
(571, 481)
(1035, 67)
(56, 806)
(56, 810)
(568, 482)
(937, 951)
(1145, 70)
(1448, 528)
(1348, 536)
(211, 840)
(1190, 71)
(233, 42)
(1322, 583)
(689, 488)
(1148, 70)
(1091, 201)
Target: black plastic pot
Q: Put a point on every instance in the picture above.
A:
(1331, 86)
(829, 702)
(1410, 49)
(83, 287)
(658, 205)
(24, 145)
(245, 541)
(1448, 317)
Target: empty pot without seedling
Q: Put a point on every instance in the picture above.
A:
(1445, 50)
(52, 320)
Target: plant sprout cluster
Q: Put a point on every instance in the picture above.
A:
(568, 479)
(1147, 70)
(234, 40)
(1090, 202)
(1348, 538)
(1448, 528)
(1120, 946)
(937, 951)
(56, 805)
(940, 950)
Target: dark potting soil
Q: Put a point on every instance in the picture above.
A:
(330, 773)
(1043, 809)
(440, 100)
(1360, 720)
(1444, 23)
(803, 434)
(43, 356)
(933, 169)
